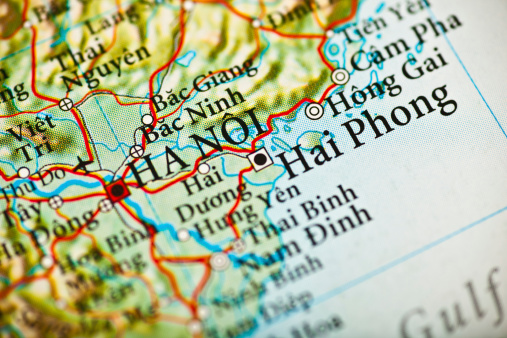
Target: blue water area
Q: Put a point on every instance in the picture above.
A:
(186, 59)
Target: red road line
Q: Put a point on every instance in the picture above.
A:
(34, 69)
(236, 204)
(171, 60)
(170, 276)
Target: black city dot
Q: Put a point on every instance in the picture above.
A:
(260, 159)
(117, 190)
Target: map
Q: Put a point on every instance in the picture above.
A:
(241, 168)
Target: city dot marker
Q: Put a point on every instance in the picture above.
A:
(183, 235)
(105, 205)
(330, 33)
(340, 76)
(203, 168)
(256, 23)
(219, 261)
(203, 312)
(260, 159)
(314, 111)
(147, 119)
(117, 190)
(27, 24)
(23, 172)
(194, 326)
(47, 262)
(55, 202)
(238, 245)
(66, 104)
(136, 151)
(188, 5)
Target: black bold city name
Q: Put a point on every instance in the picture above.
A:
(17, 93)
(18, 189)
(44, 234)
(296, 161)
(363, 60)
(69, 60)
(196, 113)
(203, 83)
(206, 143)
(344, 201)
(35, 131)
